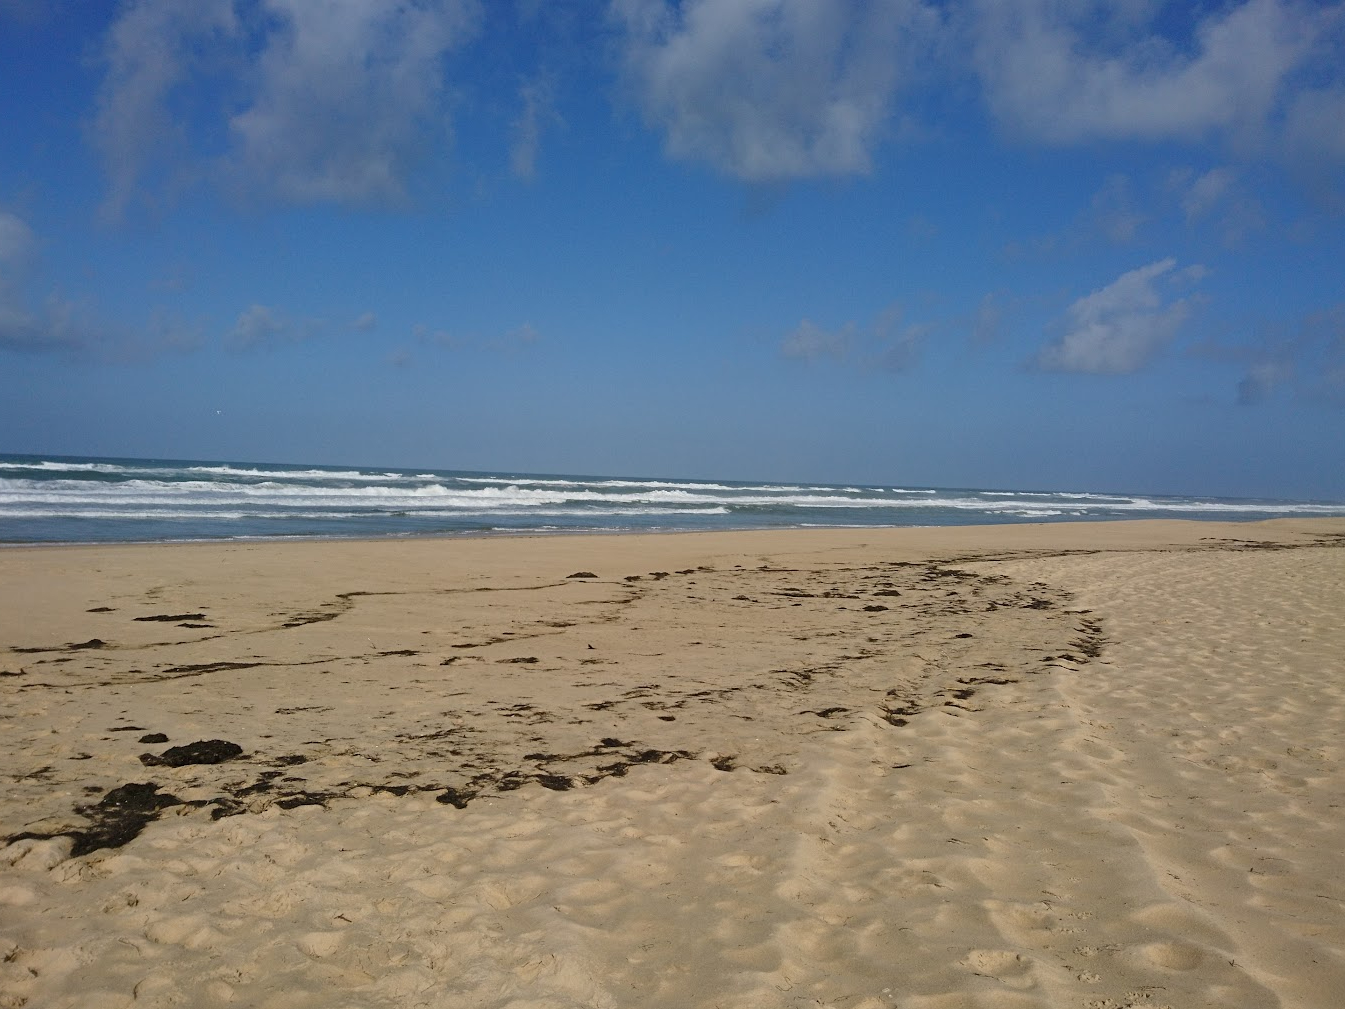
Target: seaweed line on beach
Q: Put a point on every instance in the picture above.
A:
(885, 642)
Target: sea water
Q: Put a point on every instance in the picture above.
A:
(86, 500)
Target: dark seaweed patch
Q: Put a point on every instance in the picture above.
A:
(204, 751)
(116, 819)
(211, 667)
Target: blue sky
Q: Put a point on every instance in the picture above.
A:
(1043, 244)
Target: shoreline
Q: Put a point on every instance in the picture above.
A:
(1026, 764)
(582, 533)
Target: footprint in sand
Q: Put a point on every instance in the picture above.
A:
(1003, 965)
(17, 896)
(320, 944)
(36, 854)
(1174, 955)
(191, 931)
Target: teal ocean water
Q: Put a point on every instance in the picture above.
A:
(49, 499)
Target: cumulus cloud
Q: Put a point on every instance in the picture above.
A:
(344, 92)
(1050, 74)
(1117, 329)
(768, 90)
(335, 100)
(340, 101)
(148, 54)
(365, 322)
(1262, 77)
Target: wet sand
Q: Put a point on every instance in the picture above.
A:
(1092, 765)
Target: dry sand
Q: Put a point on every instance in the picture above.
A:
(1093, 765)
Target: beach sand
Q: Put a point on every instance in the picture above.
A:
(1083, 765)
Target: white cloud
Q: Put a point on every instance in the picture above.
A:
(364, 322)
(148, 54)
(1050, 74)
(336, 99)
(810, 342)
(766, 90)
(341, 100)
(1117, 329)
(344, 93)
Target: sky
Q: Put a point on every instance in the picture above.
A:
(1026, 244)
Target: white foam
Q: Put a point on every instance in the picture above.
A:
(303, 474)
(56, 494)
(688, 485)
(201, 499)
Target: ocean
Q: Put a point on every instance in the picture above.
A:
(54, 499)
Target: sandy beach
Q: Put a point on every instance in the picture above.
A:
(1092, 765)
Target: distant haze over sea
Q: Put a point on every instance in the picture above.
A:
(46, 499)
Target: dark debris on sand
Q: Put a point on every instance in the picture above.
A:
(114, 820)
(204, 751)
(934, 590)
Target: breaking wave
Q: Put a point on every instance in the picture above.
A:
(109, 500)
